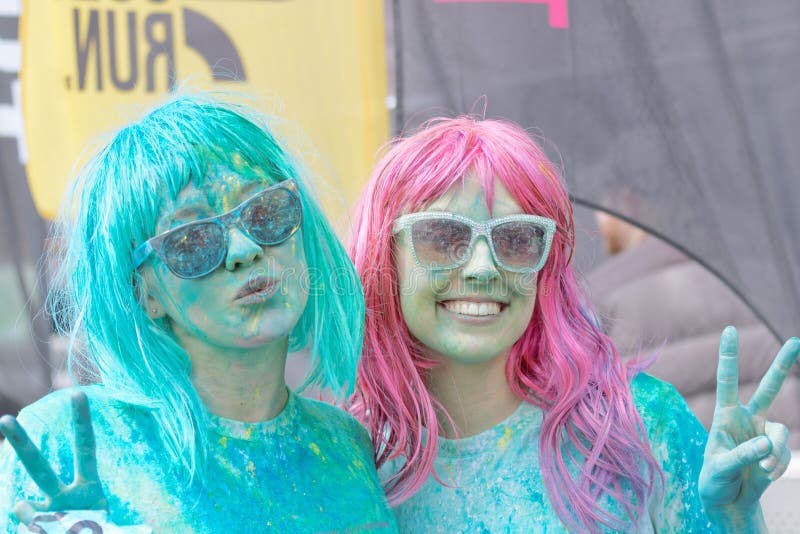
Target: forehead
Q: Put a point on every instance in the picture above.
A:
(220, 191)
(466, 197)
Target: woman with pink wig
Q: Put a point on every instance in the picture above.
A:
(494, 401)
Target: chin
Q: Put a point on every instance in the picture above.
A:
(269, 328)
(261, 339)
(474, 357)
(478, 358)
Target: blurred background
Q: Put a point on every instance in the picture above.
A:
(676, 125)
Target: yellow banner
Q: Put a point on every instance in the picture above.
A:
(89, 67)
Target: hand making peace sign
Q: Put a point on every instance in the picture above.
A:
(85, 492)
(745, 453)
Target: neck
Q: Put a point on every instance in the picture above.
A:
(241, 384)
(475, 395)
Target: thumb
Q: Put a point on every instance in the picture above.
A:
(25, 511)
(730, 463)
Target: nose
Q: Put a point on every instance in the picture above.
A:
(480, 266)
(242, 251)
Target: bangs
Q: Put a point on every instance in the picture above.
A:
(423, 167)
(201, 136)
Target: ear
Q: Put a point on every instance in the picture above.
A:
(154, 308)
(150, 303)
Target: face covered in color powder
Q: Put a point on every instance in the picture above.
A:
(475, 312)
(255, 296)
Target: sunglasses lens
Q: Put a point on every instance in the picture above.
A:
(194, 250)
(519, 245)
(273, 217)
(440, 242)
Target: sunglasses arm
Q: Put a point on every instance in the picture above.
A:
(141, 253)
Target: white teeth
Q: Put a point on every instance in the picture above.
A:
(464, 307)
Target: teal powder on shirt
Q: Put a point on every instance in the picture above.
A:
(310, 469)
(497, 485)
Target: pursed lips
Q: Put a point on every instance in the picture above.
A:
(257, 289)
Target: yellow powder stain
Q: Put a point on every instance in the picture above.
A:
(314, 448)
(503, 443)
(251, 468)
(253, 322)
(451, 470)
(248, 433)
(223, 441)
(228, 203)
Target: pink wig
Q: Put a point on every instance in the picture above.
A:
(562, 363)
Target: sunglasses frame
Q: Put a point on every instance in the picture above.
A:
(154, 245)
(478, 229)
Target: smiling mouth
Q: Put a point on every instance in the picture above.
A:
(468, 308)
(257, 290)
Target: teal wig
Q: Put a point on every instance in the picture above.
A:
(97, 297)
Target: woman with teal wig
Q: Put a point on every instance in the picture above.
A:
(193, 260)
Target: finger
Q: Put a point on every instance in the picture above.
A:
(783, 464)
(728, 368)
(778, 434)
(37, 466)
(85, 449)
(778, 460)
(25, 511)
(773, 379)
(730, 463)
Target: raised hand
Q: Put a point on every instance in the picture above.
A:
(745, 453)
(85, 492)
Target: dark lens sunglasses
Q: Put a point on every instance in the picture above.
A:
(195, 249)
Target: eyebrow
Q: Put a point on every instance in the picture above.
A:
(247, 191)
(199, 208)
(188, 211)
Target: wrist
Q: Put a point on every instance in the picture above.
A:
(735, 519)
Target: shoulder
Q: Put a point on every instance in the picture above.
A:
(677, 441)
(667, 419)
(52, 414)
(52, 410)
(654, 398)
(332, 418)
(642, 384)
